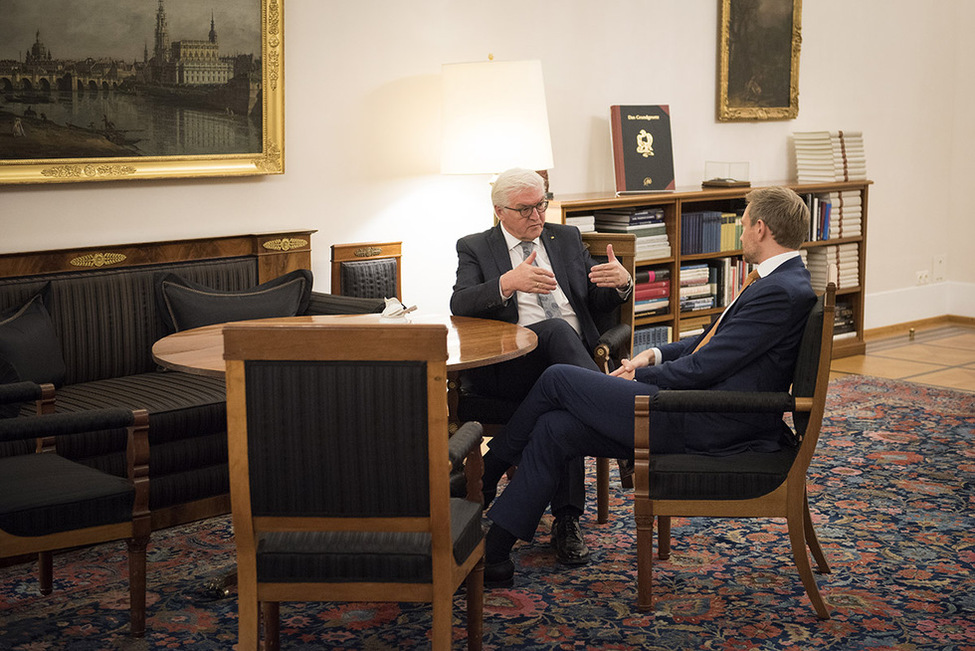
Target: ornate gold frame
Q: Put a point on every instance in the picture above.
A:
(269, 161)
(732, 109)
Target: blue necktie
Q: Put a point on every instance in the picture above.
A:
(547, 301)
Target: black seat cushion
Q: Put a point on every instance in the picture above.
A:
(185, 304)
(187, 432)
(29, 346)
(45, 493)
(361, 556)
(737, 476)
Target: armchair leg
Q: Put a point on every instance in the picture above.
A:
(137, 585)
(812, 541)
(798, 540)
(602, 490)
(644, 565)
(475, 607)
(663, 537)
(45, 571)
(271, 614)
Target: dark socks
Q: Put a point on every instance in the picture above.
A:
(497, 544)
(567, 511)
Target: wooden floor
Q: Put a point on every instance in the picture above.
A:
(943, 357)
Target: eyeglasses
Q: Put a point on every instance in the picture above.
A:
(541, 207)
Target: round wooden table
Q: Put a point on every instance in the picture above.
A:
(470, 342)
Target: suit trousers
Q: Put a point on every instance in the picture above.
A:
(558, 343)
(569, 414)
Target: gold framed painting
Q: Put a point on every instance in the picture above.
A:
(758, 59)
(98, 90)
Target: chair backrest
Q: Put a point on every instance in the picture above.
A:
(339, 424)
(811, 377)
(367, 269)
(624, 248)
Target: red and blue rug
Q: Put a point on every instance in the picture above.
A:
(892, 491)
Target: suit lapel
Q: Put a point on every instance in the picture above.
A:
(499, 249)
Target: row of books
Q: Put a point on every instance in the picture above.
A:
(585, 223)
(647, 224)
(651, 336)
(651, 291)
(829, 156)
(710, 231)
(844, 326)
(846, 257)
(834, 215)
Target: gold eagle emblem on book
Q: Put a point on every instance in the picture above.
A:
(644, 143)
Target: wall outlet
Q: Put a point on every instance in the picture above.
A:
(938, 268)
(923, 277)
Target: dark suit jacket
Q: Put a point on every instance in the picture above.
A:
(483, 258)
(754, 349)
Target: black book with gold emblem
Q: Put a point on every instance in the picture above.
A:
(643, 154)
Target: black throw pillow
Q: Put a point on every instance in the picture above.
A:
(184, 304)
(29, 346)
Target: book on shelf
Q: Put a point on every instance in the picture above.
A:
(585, 223)
(696, 304)
(651, 275)
(651, 307)
(651, 336)
(643, 156)
(641, 293)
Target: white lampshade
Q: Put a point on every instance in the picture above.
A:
(494, 118)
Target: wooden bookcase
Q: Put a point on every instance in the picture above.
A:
(675, 203)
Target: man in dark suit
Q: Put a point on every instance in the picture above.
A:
(752, 346)
(537, 274)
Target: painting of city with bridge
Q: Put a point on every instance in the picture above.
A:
(102, 78)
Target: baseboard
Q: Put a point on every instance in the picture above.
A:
(944, 321)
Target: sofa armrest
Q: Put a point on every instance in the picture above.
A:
(322, 303)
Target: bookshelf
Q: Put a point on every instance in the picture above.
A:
(850, 294)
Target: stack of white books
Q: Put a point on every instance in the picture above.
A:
(849, 156)
(829, 156)
(846, 214)
(585, 223)
(846, 258)
(814, 156)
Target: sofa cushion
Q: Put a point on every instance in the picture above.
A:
(29, 346)
(185, 304)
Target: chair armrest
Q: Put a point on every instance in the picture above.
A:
(722, 401)
(464, 441)
(614, 344)
(321, 303)
(617, 338)
(21, 392)
(93, 420)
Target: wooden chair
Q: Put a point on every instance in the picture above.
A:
(368, 269)
(49, 503)
(745, 485)
(312, 412)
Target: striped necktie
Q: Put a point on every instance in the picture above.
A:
(749, 279)
(546, 301)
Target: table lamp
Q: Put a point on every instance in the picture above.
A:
(495, 118)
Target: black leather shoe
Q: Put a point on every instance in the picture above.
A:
(626, 472)
(570, 548)
(500, 574)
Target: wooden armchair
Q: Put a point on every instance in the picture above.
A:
(312, 411)
(49, 503)
(368, 269)
(745, 485)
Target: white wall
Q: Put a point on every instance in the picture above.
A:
(362, 132)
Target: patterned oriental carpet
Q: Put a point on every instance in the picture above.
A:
(892, 491)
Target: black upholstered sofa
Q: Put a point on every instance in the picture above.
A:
(86, 319)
